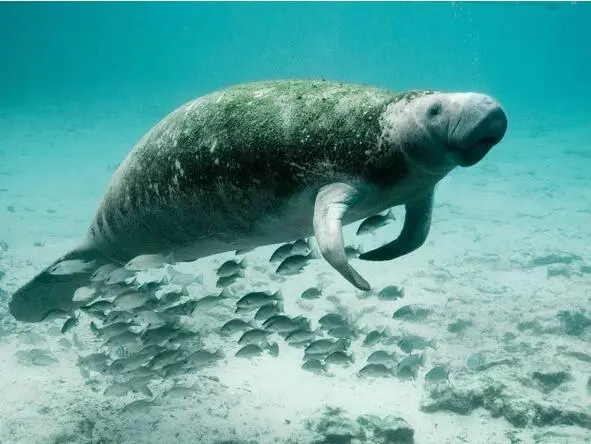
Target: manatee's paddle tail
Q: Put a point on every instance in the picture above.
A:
(332, 202)
(417, 222)
(50, 291)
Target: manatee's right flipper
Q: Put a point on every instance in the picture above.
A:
(332, 202)
(417, 222)
(48, 292)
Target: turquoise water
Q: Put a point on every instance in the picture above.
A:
(81, 83)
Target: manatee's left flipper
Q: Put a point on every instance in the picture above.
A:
(417, 222)
(332, 202)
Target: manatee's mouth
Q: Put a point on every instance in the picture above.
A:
(474, 153)
(477, 142)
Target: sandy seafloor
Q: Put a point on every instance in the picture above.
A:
(508, 251)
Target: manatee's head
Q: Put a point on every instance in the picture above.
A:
(438, 131)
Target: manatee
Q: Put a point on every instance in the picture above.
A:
(272, 161)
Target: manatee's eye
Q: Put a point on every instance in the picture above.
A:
(434, 109)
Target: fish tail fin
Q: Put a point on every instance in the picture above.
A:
(94, 328)
(244, 262)
(272, 348)
(169, 259)
(278, 295)
(280, 305)
(314, 253)
(48, 292)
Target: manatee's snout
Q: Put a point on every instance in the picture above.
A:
(481, 124)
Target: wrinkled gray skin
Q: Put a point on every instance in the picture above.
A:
(269, 162)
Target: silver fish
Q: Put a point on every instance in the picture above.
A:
(344, 331)
(409, 343)
(234, 326)
(253, 350)
(325, 346)
(95, 361)
(176, 369)
(374, 337)
(281, 253)
(332, 320)
(226, 281)
(184, 309)
(283, 324)
(300, 246)
(249, 351)
(98, 306)
(413, 312)
(140, 385)
(117, 389)
(70, 323)
(204, 358)
(172, 297)
(314, 366)
(138, 406)
(73, 266)
(127, 337)
(375, 371)
(413, 361)
(131, 363)
(112, 291)
(311, 293)
(153, 318)
(231, 267)
(372, 223)
(391, 293)
(110, 330)
(85, 294)
(183, 279)
(118, 316)
(339, 358)
(165, 358)
(255, 336)
(130, 300)
(406, 372)
(103, 272)
(149, 262)
(295, 264)
(437, 374)
(160, 335)
(211, 301)
(381, 357)
(301, 335)
(119, 276)
(257, 299)
(267, 311)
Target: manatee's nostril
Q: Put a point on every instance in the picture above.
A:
(434, 109)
